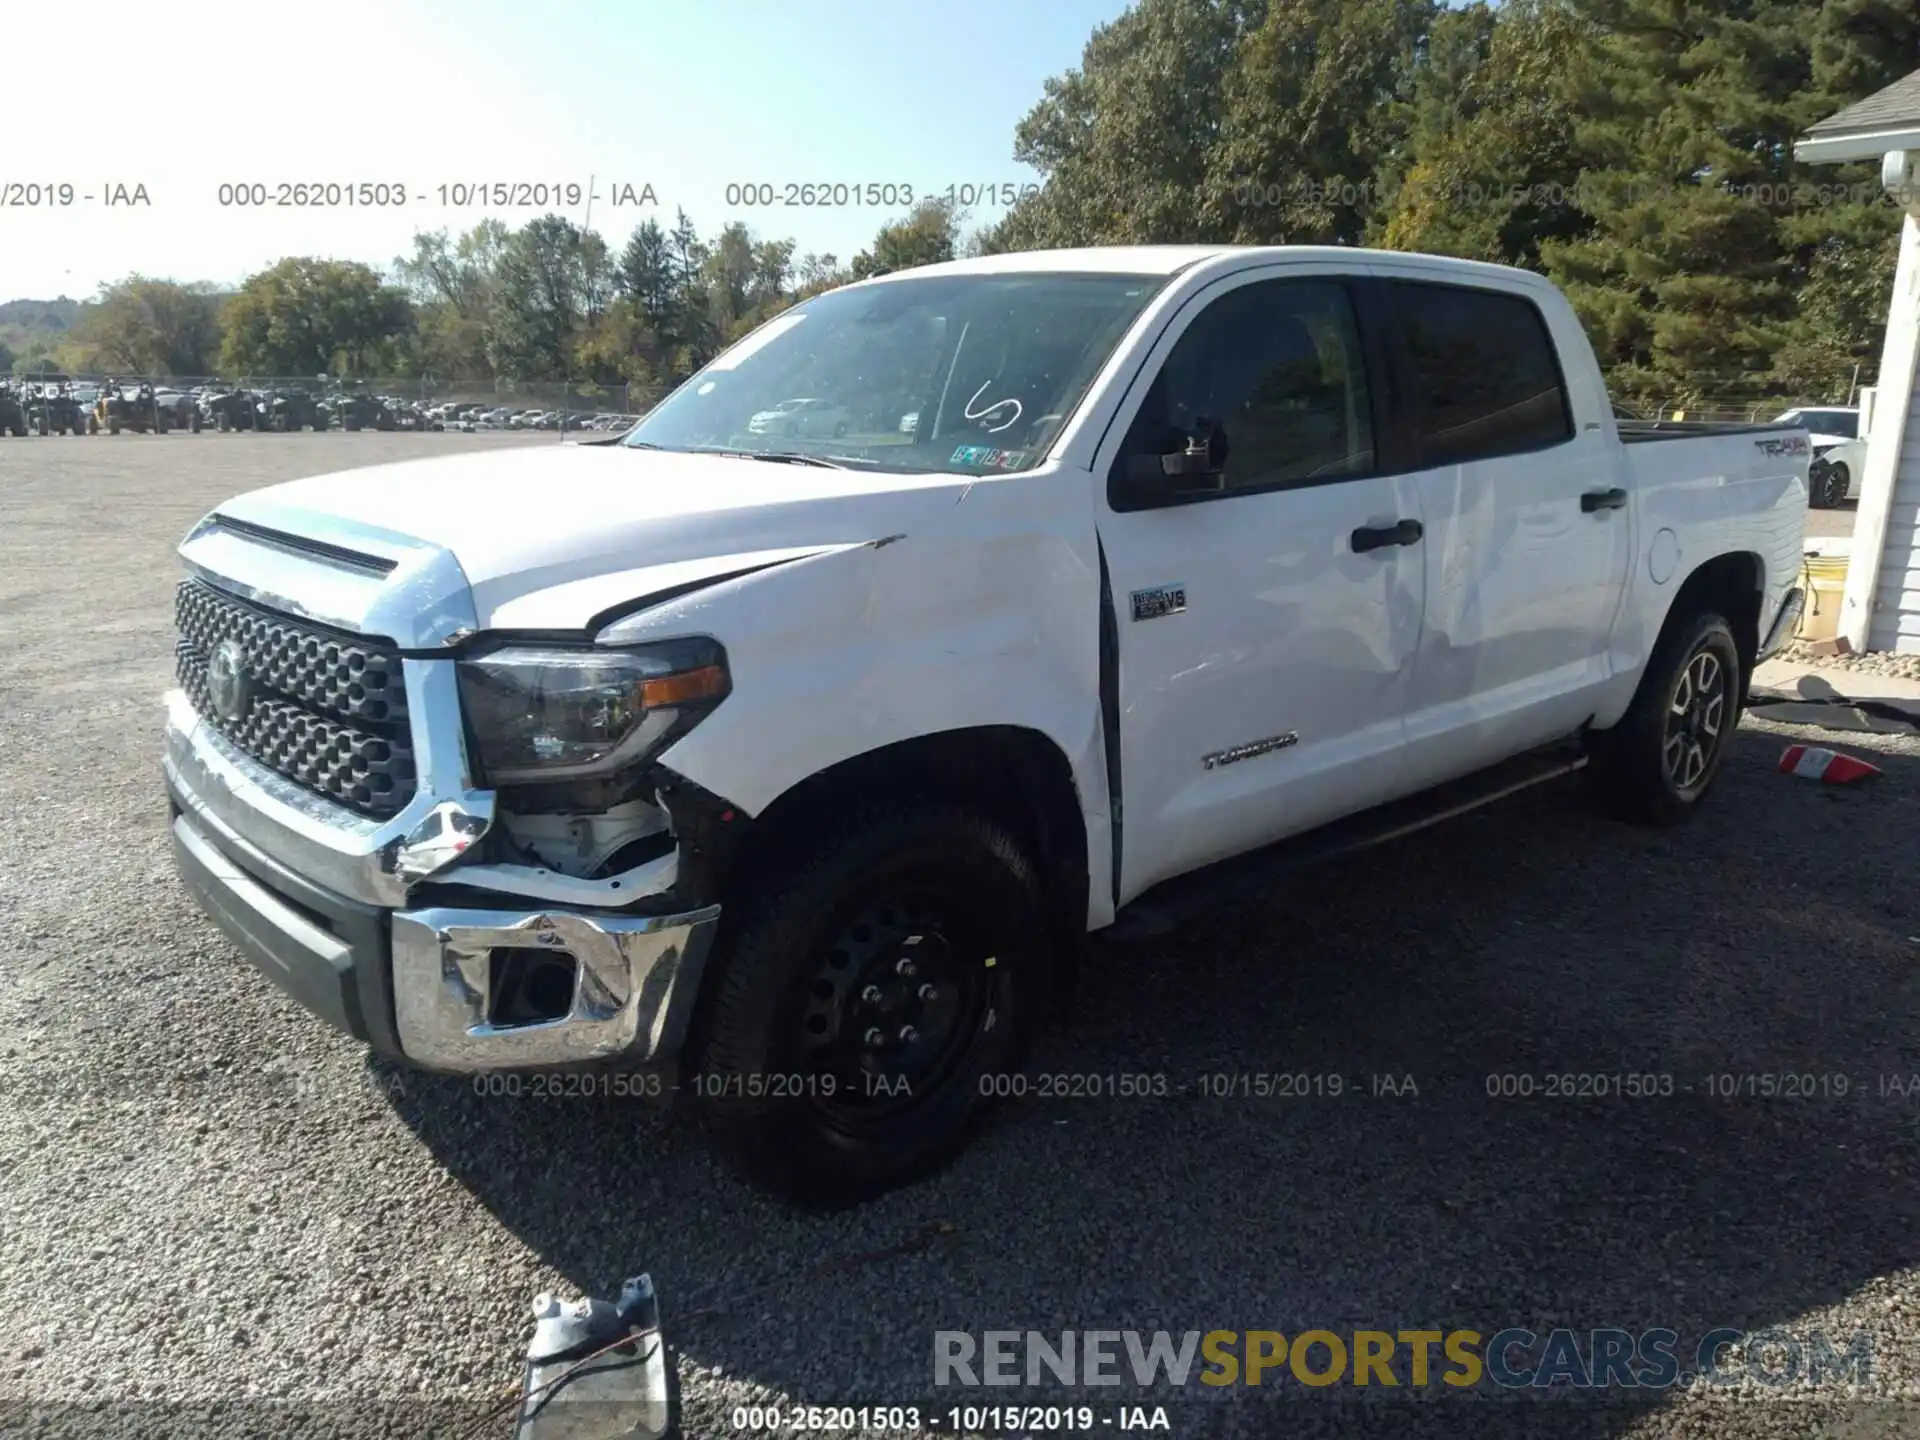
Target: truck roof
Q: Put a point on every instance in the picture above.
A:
(1171, 259)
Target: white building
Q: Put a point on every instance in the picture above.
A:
(1881, 610)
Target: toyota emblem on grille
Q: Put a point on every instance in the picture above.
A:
(228, 685)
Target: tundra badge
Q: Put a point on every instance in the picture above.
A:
(1160, 600)
(1249, 750)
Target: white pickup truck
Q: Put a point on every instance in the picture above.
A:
(795, 768)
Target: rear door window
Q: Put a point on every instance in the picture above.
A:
(1486, 375)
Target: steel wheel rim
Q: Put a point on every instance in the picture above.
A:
(1696, 722)
(950, 1000)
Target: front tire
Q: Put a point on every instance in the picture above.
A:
(1834, 487)
(1658, 763)
(878, 987)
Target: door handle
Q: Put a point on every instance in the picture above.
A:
(1378, 537)
(1593, 500)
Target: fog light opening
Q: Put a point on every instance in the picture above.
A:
(531, 987)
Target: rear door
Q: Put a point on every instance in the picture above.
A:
(1529, 528)
(1263, 629)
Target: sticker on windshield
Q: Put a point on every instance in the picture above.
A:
(987, 456)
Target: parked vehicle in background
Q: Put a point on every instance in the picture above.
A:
(357, 411)
(288, 410)
(13, 415)
(806, 769)
(181, 410)
(227, 408)
(1836, 471)
(801, 418)
(130, 407)
(1830, 428)
(1826, 425)
(51, 407)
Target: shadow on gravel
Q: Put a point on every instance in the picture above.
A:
(1775, 934)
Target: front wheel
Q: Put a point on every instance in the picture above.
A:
(871, 1001)
(1658, 763)
(1833, 487)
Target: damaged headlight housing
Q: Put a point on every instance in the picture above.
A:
(540, 713)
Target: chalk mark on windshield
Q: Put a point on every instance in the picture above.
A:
(973, 414)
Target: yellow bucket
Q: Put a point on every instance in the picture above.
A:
(1825, 580)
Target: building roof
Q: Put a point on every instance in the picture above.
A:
(1895, 108)
(1866, 129)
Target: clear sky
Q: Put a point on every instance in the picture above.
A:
(687, 96)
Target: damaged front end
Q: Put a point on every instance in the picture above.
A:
(568, 933)
(460, 850)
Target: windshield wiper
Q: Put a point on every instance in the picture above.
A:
(795, 457)
(778, 457)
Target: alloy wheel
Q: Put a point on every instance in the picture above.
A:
(1696, 722)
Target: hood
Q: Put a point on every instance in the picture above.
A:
(552, 537)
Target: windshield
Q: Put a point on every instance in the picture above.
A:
(968, 373)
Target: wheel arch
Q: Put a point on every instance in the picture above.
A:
(1017, 776)
(1733, 585)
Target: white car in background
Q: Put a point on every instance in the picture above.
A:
(1835, 477)
(801, 418)
(1838, 451)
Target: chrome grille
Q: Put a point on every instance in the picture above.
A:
(327, 711)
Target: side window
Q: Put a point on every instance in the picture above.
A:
(1485, 363)
(1269, 378)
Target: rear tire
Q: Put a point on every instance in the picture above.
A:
(907, 943)
(1659, 762)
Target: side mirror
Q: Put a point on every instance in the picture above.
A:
(1199, 469)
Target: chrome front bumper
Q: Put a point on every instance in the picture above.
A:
(316, 897)
(636, 978)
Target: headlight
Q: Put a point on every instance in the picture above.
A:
(547, 713)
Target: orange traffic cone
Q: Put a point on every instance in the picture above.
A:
(1827, 765)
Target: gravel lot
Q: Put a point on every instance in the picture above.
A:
(206, 1197)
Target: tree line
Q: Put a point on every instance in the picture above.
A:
(547, 301)
(1638, 152)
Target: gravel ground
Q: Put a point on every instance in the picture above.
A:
(1873, 662)
(208, 1201)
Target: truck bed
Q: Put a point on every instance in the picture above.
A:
(1636, 432)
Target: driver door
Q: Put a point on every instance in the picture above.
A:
(1266, 614)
